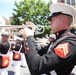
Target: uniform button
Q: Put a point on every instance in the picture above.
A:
(26, 43)
(27, 48)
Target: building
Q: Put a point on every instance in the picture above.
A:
(70, 2)
(7, 22)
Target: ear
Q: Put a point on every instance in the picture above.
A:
(64, 19)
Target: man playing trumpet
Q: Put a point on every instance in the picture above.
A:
(62, 55)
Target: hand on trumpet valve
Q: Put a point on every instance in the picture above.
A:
(30, 25)
(27, 31)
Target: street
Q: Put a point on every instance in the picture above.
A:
(25, 71)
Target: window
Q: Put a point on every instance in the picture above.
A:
(73, 2)
(70, 2)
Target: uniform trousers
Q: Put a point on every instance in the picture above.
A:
(23, 60)
(3, 71)
(16, 65)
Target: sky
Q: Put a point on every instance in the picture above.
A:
(7, 6)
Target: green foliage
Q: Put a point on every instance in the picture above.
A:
(47, 31)
(36, 11)
(73, 30)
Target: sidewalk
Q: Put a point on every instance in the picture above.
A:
(24, 71)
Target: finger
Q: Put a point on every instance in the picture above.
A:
(21, 31)
(28, 23)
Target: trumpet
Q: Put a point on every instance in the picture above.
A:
(15, 28)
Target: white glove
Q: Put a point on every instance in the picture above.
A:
(27, 32)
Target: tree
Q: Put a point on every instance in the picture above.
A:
(36, 11)
(73, 30)
(47, 31)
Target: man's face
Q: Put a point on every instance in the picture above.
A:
(56, 23)
(5, 38)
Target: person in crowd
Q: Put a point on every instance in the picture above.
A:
(23, 60)
(43, 45)
(51, 38)
(4, 49)
(18, 56)
(16, 47)
(62, 55)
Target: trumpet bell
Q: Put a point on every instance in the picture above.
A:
(39, 30)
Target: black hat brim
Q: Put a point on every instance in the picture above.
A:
(56, 14)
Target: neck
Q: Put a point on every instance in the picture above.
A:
(60, 33)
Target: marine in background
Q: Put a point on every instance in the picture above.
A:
(4, 48)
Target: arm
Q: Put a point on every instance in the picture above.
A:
(39, 64)
(42, 64)
(43, 50)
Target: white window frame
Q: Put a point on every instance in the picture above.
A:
(71, 2)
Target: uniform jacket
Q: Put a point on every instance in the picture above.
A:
(61, 57)
(16, 47)
(4, 47)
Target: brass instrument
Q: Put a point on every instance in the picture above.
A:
(14, 29)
